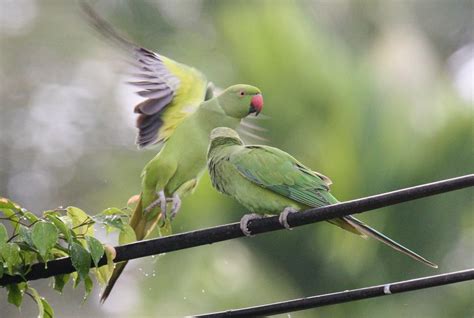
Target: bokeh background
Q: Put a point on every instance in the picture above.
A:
(378, 95)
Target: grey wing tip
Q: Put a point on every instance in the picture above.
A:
(102, 26)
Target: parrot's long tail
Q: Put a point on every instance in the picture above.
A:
(368, 231)
(138, 223)
(113, 279)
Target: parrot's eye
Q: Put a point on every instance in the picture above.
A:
(242, 93)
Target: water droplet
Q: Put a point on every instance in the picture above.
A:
(140, 269)
(154, 274)
(146, 274)
(203, 291)
(184, 298)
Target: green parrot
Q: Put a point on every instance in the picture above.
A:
(174, 172)
(267, 180)
(179, 111)
(171, 90)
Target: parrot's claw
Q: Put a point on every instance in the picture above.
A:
(283, 218)
(162, 198)
(160, 201)
(175, 206)
(244, 221)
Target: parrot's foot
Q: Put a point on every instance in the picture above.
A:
(160, 201)
(175, 206)
(283, 218)
(244, 221)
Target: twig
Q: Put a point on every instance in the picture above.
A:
(347, 296)
(231, 231)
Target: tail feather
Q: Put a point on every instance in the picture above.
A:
(103, 27)
(113, 279)
(138, 223)
(367, 230)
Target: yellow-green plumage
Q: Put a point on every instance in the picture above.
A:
(178, 111)
(267, 180)
(177, 168)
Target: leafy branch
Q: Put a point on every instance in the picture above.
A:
(57, 233)
(61, 243)
(230, 231)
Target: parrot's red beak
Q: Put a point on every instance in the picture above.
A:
(256, 104)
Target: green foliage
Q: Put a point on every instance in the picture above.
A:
(127, 235)
(96, 249)
(44, 236)
(44, 309)
(58, 233)
(15, 293)
(60, 281)
(81, 259)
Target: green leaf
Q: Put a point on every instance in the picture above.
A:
(81, 259)
(80, 221)
(25, 235)
(113, 211)
(48, 310)
(44, 236)
(15, 294)
(31, 217)
(38, 301)
(110, 221)
(7, 204)
(127, 235)
(60, 281)
(95, 248)
(103, 273)
(10, 213)
(75, 279)
(10, 253)
(1, 269)
(3, 235)
(88, 284)
(29, 258)
(63, 229)
(44, 308)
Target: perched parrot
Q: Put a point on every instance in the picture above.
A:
(267, 180)
(174, 172)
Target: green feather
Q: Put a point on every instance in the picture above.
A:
(268, 180)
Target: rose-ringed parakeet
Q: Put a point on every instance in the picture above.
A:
(267, 180)
(174, 172)
(171, 90)
(179, 111)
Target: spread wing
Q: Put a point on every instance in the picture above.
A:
(172, 90)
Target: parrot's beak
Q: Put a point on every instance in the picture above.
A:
(256, 104)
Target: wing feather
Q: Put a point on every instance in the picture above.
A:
(279, 172)
(172, 90)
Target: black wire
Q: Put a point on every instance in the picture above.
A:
(347, 296)
(230, 231)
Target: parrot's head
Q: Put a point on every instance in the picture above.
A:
(224, 136)
(241, 100)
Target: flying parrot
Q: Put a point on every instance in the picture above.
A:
(179, 112)
(267, 180)
(171, 90)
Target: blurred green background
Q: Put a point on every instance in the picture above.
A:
(378, 95)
